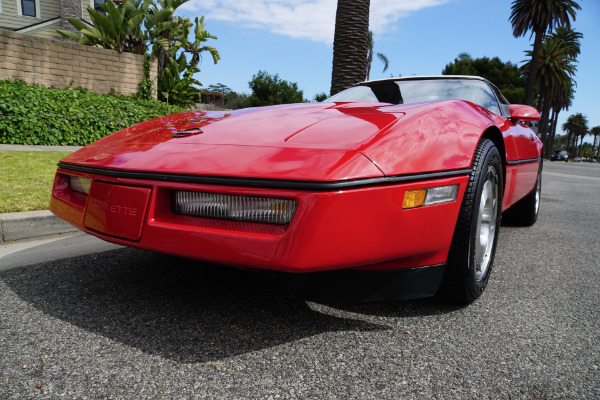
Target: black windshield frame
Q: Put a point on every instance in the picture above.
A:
(407, 91)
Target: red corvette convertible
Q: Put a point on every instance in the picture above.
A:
(406, 178)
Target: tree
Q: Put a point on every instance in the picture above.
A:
(219, 88)
(506, 76)
(235, 100)
(560, 143)
(564, 98)
(197, 47)
(118, 28)
(382, 57)
(176, 84)
(319, 97)
(555, 79)
(568, 127)
(170, 35)
(571, 40)
(350, 44)
(172, 43)
(595, 131)
(462, 65)
(232, 99)
(539, 16)
(137, 26)
(270, 89)
(556, 70)
(162, 28)
(582, 136)
(575, 126)
(562, 101)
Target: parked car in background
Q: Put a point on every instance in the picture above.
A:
(577, 159)
(559, 155)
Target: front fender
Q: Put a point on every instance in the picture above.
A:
(439, 136)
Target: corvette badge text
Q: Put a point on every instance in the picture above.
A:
(114, 208)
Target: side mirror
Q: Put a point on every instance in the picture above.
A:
(519, 112)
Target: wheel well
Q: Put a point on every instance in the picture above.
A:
(493, 134)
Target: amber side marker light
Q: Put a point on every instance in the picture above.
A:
(429, 196)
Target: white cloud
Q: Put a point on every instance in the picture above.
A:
(303, 19)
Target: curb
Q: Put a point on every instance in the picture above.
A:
(31, 224)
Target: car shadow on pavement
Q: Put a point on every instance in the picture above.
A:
(399, 309)
(176, 308)
(186, 310)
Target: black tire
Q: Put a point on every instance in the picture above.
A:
(526, 211)
(475, 237)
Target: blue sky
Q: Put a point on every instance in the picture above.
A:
(294, 38)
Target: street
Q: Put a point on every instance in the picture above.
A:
(133, 324)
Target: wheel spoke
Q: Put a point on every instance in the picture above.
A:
(486, 223)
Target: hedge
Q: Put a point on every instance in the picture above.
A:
(32, 114)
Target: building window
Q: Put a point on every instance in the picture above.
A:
(28, 7)
(97, 5)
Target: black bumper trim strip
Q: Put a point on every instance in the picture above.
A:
(269, 183)
(525, 161)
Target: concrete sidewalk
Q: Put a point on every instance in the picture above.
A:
(23, 147)
(32, 224)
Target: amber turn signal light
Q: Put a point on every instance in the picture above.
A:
(414, 198)
(430, 196)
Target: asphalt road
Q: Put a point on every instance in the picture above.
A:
(132, 324)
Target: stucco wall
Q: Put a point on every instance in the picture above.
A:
(61, 64)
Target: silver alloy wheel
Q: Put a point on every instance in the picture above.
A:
(486, 224)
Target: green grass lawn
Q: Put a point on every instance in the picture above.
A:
(26, 179)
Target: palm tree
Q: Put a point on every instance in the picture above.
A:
(582, 136)
(565, 95)
(170, 38)
(571, 40)
(568, 127)
(197, 47)
(575, 126)
(538, 16)
(161, 27)
(350, 44)
(596, 132)
(382, 57)
(561, 102)
(555, 71)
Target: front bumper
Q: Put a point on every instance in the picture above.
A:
(362, 228)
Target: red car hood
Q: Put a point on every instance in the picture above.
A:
(318, 142)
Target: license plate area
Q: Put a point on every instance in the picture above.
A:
(117, 210)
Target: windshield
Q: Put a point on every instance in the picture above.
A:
(420, 90)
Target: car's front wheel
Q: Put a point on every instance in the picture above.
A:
(473, 245)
